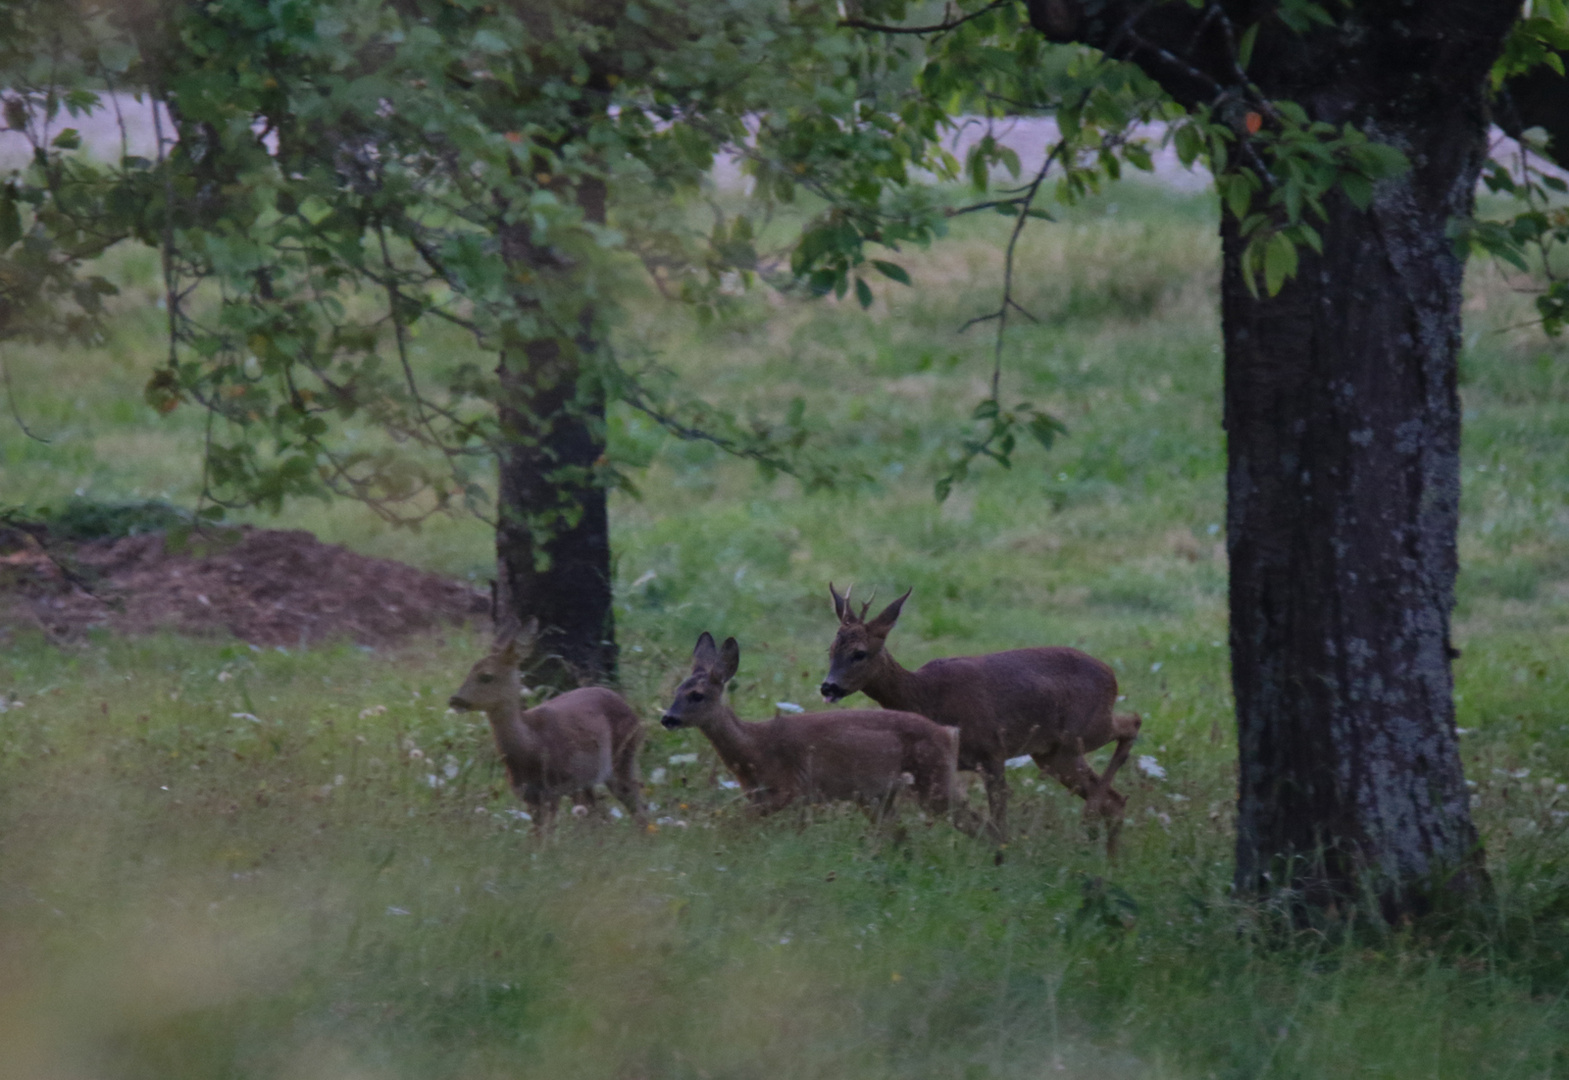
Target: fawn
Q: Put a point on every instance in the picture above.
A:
(563, 747)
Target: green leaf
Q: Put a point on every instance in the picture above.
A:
(1358, 188)
(892, 270)
(863, 293)
(1245, 46)
(1045, 429)
(1280, 262)
(1238, 194)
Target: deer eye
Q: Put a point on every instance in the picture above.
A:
(695, 695)
(487, 678)
(858, 654)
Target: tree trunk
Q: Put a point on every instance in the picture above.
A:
(1343, 481)
(553, 529)
(1343, 431)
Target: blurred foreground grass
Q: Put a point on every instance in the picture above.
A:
(222, 863)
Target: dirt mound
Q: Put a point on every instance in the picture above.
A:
(264, 586)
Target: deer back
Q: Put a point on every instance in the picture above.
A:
(851, 754)
(1021, 701)
(577, 737)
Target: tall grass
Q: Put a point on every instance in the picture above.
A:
(216, 862)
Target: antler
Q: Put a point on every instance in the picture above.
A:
(864, 606)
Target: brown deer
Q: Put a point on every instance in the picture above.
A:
(563, 747)
(866, 756)
(1053, 704)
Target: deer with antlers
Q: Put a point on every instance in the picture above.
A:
(566, 746)
(866, 756)
(1052, 703)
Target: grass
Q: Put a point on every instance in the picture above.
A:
(216, 862)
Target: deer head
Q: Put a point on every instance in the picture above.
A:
(700, 695)
(853, 655)
(493, 682)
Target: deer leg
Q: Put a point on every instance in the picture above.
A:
(1070, 769)
(533, 797)
(1107, 800)
(630, 793)
(992, 775)
(1126, 729)
(1073, 771)
(624, 783)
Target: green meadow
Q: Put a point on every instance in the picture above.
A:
(217, 862)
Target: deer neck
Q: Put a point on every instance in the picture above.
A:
(515, 740)
(892, 685)
(734, 740)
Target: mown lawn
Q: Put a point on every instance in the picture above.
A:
(332, 885)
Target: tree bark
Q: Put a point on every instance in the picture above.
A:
(553, 530)
(1343, 484)
(1343, 436)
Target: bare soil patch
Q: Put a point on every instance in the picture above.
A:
(263, 586)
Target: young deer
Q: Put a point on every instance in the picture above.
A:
(565, 746)
(1053, 704)
(865, 756)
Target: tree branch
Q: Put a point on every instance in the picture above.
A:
(935, 28)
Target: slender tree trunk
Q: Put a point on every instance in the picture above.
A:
(553, 531)
(1343, 432)
(1343, 443)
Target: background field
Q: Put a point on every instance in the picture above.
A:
(333, 884)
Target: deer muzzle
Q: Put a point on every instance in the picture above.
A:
(458, 703)
(832, 691)
(671, 721)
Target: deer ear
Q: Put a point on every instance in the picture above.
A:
(884, 622)
(519, 642)
(706, 655)
(729, 662)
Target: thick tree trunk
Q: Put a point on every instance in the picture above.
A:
(1343, 429)
(553, 530)
(1343, 441)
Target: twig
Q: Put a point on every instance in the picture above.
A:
(10, 397)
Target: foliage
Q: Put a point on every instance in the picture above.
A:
(59, 211)
(343, 174)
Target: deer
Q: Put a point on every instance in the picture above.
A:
(1052, 703)
(565, 746)
(865, 756)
